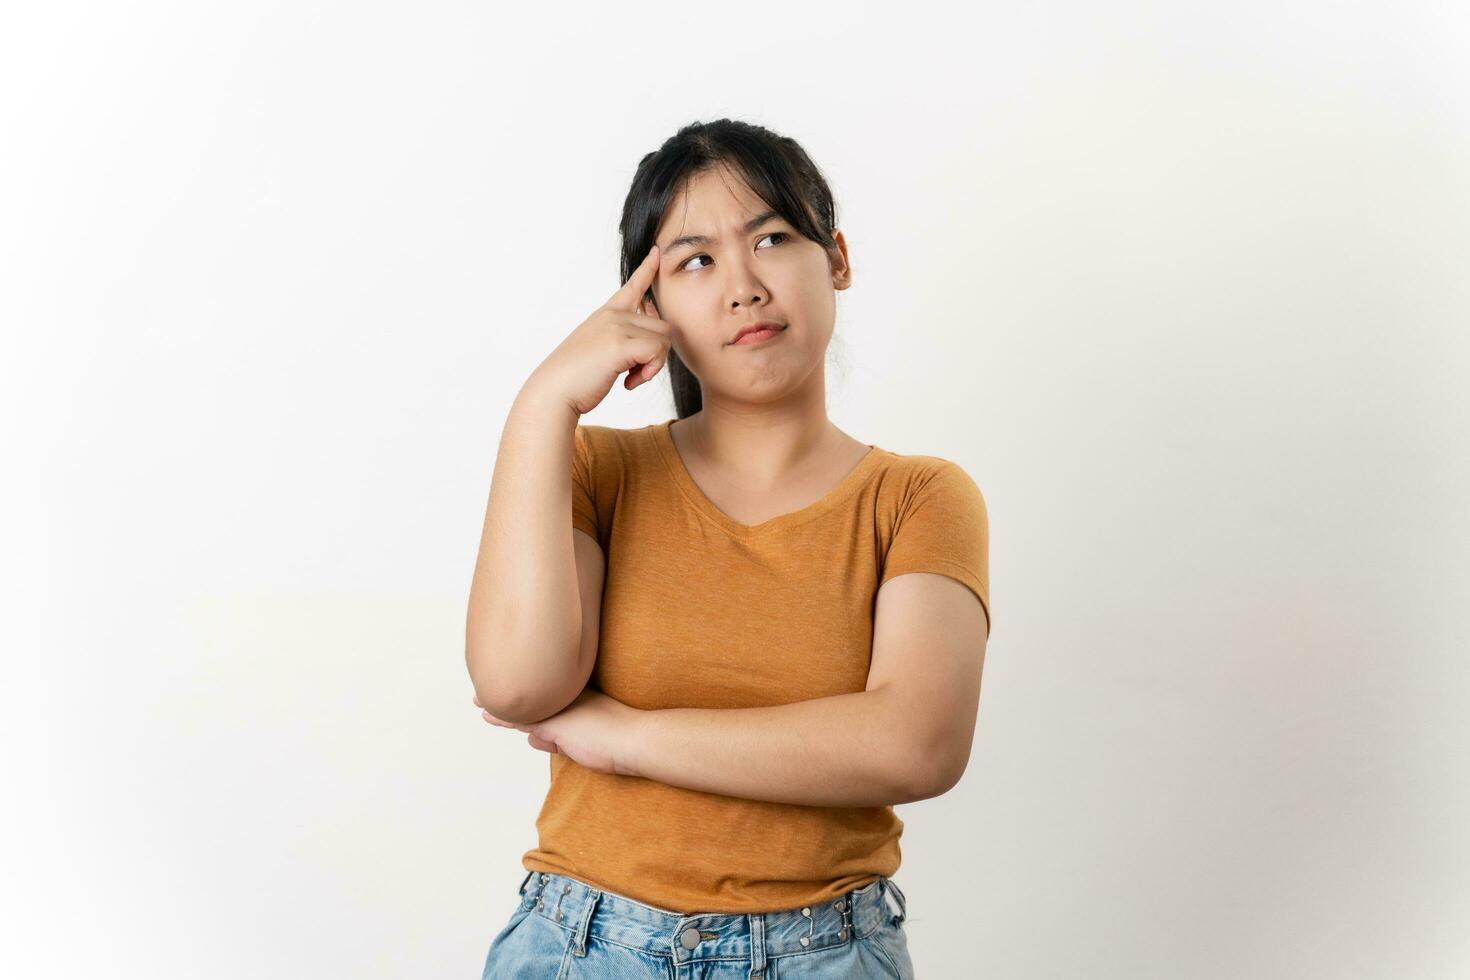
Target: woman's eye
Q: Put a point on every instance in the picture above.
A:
(770, 234)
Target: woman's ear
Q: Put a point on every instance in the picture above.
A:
(837, 259)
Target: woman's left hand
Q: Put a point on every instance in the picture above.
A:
(595, 731)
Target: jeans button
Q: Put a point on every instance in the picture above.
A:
(689, 938)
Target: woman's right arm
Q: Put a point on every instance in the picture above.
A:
(524, 636)
(524, 626)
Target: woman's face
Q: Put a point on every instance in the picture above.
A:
(708, 290)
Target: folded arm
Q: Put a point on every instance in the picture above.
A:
(906, 737)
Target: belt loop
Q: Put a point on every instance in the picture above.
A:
(757, 946)
(579, 941)
(903, 908)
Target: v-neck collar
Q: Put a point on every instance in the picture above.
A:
(663, 437)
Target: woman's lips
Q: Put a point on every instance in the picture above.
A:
(758, 336)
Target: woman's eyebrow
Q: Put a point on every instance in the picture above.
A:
(688, 240)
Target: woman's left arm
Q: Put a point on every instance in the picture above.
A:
(848, 750)
(844, 750)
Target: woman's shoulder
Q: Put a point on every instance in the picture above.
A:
(609, 447)
(920, 467)
(909, 482)
(609, 435)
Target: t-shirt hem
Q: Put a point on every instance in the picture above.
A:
(951, 569)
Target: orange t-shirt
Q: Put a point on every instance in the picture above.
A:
(700, 611)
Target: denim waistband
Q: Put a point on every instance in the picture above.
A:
(589, 911)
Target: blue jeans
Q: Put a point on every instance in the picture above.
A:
(564, 928)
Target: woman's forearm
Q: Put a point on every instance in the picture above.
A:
(843, 750)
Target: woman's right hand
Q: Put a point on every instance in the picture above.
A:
(617, 337)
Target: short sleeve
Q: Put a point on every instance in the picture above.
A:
(584, 508)
(945, 529)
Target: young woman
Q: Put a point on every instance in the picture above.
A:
(760, 633)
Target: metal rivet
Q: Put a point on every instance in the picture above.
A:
(806, 911)
(805, 941)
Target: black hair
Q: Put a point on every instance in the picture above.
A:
(776, 169)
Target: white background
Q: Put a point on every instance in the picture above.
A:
(1183, 286)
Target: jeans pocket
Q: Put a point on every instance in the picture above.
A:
(520, 915)
(891, 943)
